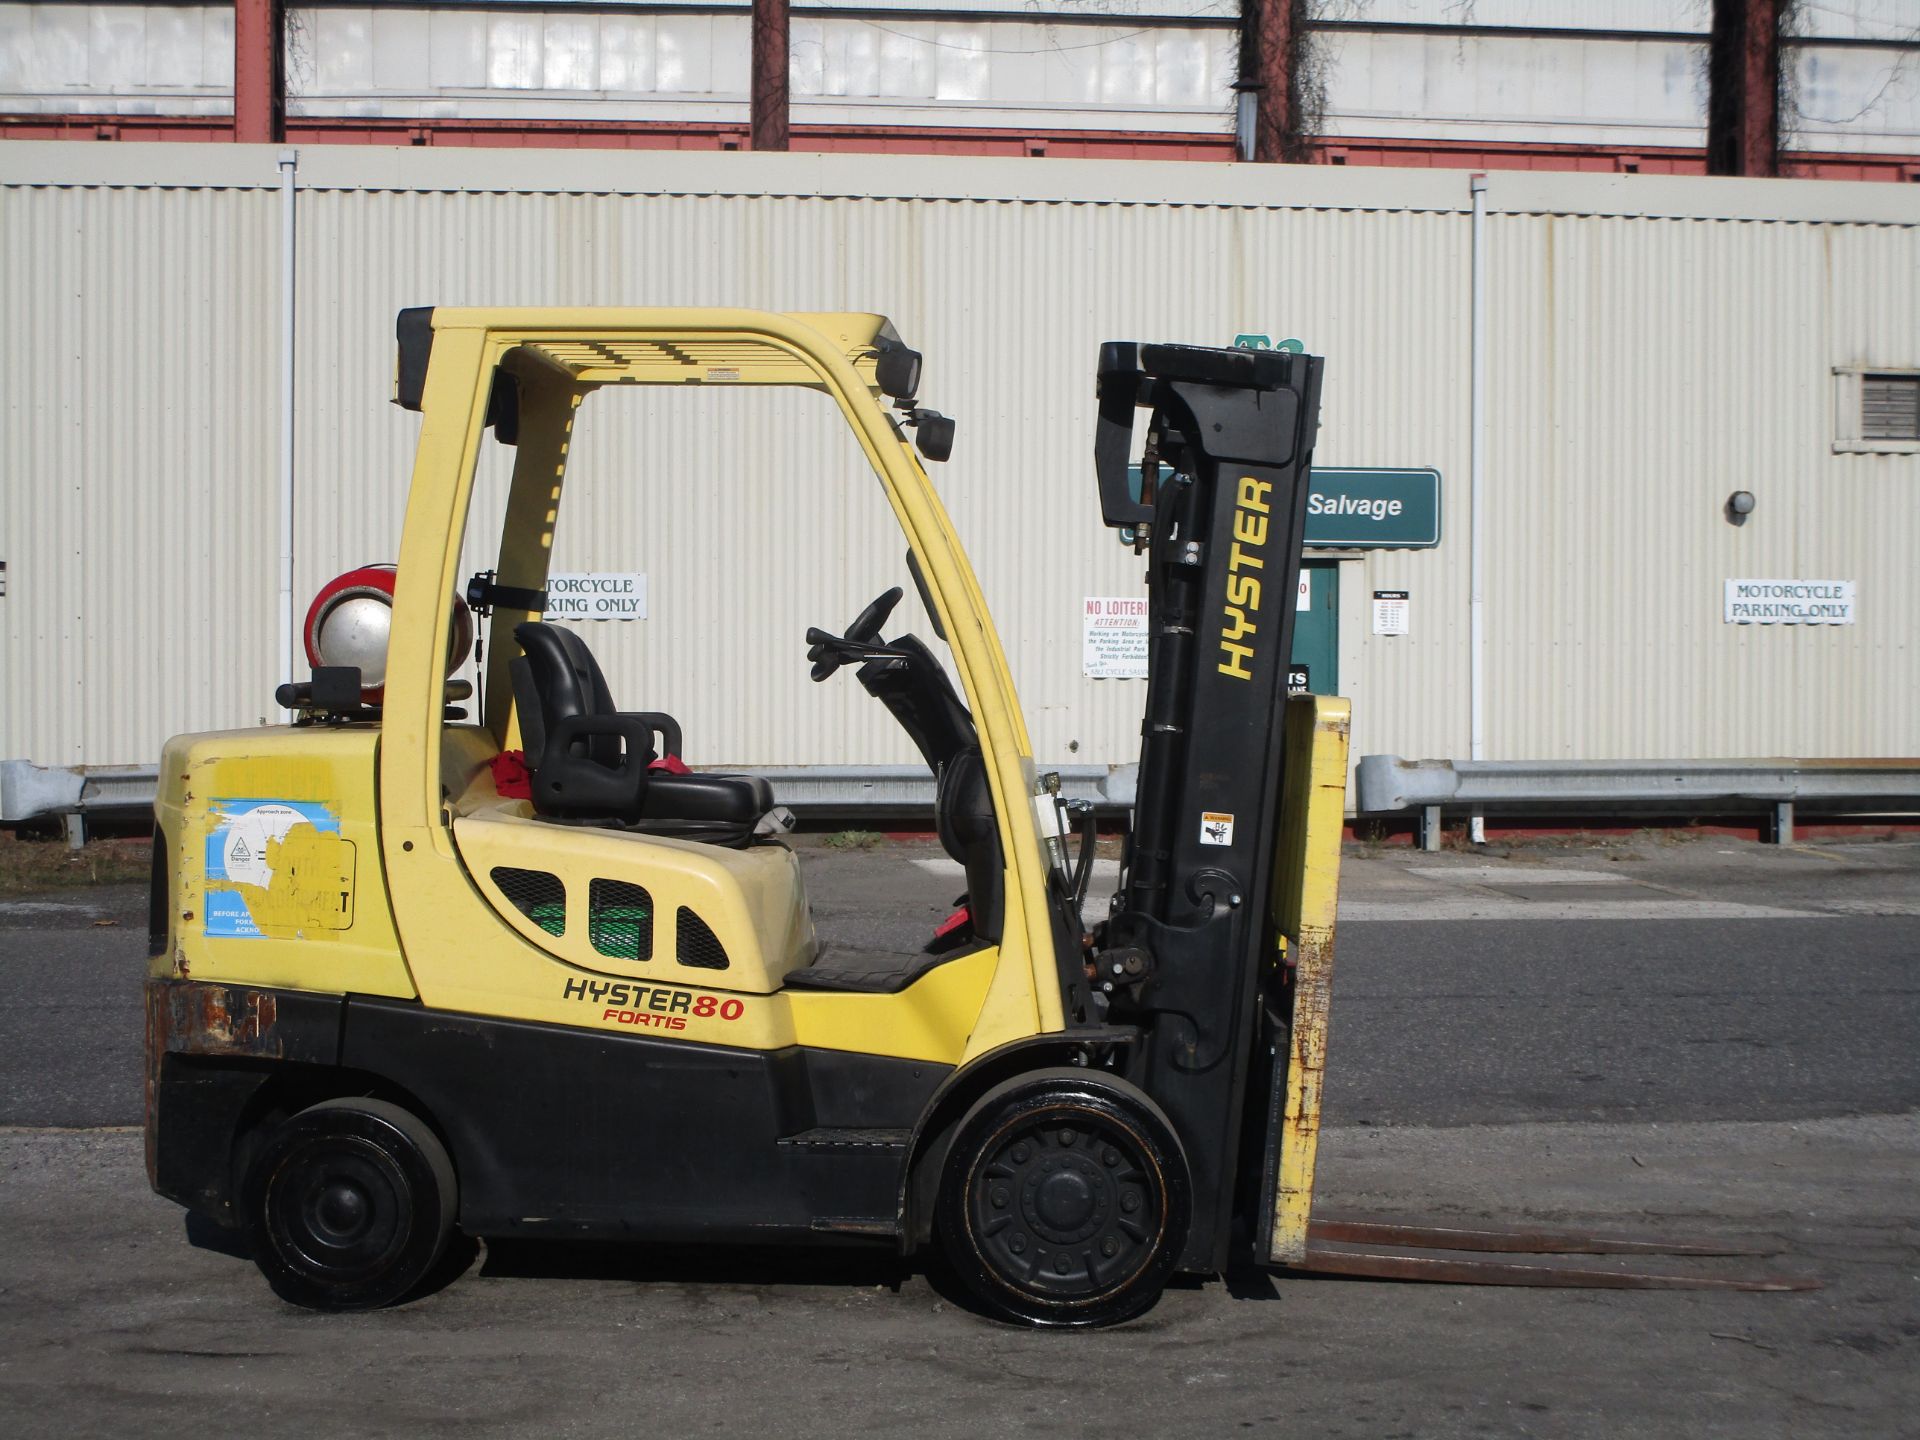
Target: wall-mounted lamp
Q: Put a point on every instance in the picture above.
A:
(1739, 506)
(1246, 114)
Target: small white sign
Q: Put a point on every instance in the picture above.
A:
(1216, 827)
(597, 596)
(1390, 612)
(1304, 600)
(1113, 637)
(1789, 602)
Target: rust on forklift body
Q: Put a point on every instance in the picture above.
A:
(199, 1019)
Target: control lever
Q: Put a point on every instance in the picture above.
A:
(846, 649)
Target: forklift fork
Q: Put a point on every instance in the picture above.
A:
(1306, 887)
(1387, 1250)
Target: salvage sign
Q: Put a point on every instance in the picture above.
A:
(1355, 509)
(1789, 602)
(1351, 509)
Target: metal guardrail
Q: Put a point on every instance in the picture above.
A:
(29, 792)
(1387, 784)
(1383, 785)
(897, 791)
(32, 792)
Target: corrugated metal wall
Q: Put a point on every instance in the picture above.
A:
(1643, 371)
(1644, 365)
(137, 495)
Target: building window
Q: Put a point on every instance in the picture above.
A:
(1876, 411)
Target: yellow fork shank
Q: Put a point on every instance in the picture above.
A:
(1306, 890)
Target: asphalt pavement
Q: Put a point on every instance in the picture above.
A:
(1643, 1036)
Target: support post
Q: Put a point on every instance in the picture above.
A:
(1783, 822)
(289, 171)
(259, 72)
(1743, 88)
(1477, 505)
(1430, 828)
(1266, 73)
(770, 69)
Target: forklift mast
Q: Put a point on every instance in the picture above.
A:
(1222, 528)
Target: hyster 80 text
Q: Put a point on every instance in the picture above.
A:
(652, 1005)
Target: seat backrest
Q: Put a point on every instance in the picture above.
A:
(566, 681)
(964, 819)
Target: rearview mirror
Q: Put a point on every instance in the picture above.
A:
(933, 434)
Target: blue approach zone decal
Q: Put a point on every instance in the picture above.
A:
(237, 855)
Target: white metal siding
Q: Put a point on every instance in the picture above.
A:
(1655, 345)
(137, 488)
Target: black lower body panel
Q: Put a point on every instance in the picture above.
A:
(569, 1132)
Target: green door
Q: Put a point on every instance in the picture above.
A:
(1316, 630)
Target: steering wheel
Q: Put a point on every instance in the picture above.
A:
(825, 650)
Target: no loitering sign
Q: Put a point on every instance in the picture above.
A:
(1789, 602)
(1113, 637)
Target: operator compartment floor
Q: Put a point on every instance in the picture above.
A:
(868, 972)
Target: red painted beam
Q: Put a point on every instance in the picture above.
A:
(1743, 88)
(942, 140)
(770, 61)
(259, 72)
(1266, 66)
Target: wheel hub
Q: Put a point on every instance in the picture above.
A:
(341, 1212)
(1064, 1202)
(1063, 1206)
(341, 1207)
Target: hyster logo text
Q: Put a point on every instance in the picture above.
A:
(1243, 586)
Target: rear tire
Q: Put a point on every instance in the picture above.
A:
(349, 1204)
(1065, 1199)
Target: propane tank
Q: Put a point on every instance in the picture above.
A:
(351, 620)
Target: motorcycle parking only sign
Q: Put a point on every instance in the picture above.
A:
(597, 596)
(1789, 602)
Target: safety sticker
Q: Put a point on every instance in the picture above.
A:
(276, 868)
(1216, 828)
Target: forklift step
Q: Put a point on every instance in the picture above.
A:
(869, 972)
(829, 1137)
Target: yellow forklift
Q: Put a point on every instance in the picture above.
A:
(526, 974)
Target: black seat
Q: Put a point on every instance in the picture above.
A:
(589, 760)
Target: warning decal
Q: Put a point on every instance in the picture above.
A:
(276, 867)
(1216, 828)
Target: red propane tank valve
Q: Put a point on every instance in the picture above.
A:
(351, 620)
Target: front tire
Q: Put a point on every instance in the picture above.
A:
(1065, 1199)
(349, 1204)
